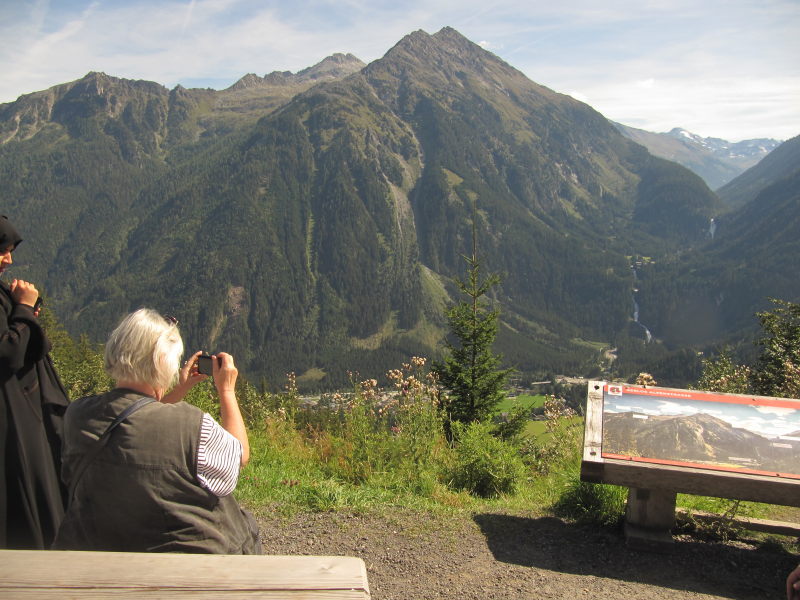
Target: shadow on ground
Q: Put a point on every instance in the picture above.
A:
(740, 571)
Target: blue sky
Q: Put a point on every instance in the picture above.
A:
(721, 68)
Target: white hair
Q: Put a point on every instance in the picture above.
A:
(145, 348)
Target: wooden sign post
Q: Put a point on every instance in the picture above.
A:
(662, 441)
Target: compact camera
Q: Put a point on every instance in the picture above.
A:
(205, 364)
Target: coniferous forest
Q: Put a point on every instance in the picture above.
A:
(317, 226)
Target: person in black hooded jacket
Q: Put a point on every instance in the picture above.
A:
(32, 405)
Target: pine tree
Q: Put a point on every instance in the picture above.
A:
(777, 372)
(470, 371)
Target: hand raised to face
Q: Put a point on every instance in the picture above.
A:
(23, 292)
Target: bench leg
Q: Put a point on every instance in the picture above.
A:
(649, 519)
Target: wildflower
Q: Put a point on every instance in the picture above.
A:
(645, 379)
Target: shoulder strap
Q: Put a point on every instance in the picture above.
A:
(102, 441)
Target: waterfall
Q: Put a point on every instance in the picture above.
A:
(647, 335)
(712, 228)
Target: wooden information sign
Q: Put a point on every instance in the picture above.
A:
(661, 441)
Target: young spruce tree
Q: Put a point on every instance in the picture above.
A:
(470, 371)
(777, 372)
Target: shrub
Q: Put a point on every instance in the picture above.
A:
(596, 503)
(204, 397)
(722, 374)
(777, 372)
(373, 435)
(511, 428)
(485, 465)
(560, 444)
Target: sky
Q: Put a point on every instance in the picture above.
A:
(728, 69)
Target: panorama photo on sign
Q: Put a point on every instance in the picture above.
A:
(728, 432)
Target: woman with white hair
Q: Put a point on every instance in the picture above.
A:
(147, 472)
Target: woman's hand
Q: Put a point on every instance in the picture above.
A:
(793, 585)
(23, 292)
(188, 377)
(225, 373)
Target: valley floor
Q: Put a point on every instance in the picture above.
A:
(411, 555)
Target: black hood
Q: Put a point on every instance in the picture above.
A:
(8, 235)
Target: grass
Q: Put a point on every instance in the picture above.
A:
(525, 400)
(358, 461)
(312, 375)
(722, 505)
(374, 341)
(288, 478)
(532, 428)
(593, 345)
(536, 429)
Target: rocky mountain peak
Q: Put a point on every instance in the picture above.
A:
(335, 66)
(439, 62)
(446, 43)
(102, 84)
(250, 80)
(96, 92)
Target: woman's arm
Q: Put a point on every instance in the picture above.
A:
(188, 377)
(225, 374)
(20, 333)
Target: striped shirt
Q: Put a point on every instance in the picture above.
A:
(219, 458)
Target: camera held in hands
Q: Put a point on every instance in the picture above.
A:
(205, 364)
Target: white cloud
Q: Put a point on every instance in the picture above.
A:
(188, 18)
(716, 68)
(674, 408)
(776, 410)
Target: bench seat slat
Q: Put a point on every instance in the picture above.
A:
(127, 594)
(143, 575)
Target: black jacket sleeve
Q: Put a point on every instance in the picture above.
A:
(22, 339)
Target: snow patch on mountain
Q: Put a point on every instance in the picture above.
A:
(746, 149)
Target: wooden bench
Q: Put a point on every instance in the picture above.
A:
(67, 574)
(654, 481)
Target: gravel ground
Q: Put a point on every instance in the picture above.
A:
(412, 555)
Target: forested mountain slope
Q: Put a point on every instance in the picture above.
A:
(752, 257)
(781, 163)
(317, 229)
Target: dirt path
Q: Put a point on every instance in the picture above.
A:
(417, 556)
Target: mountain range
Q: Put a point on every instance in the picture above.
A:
(314, 222)
(712, 292)
(716, 160)
(699, 438)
